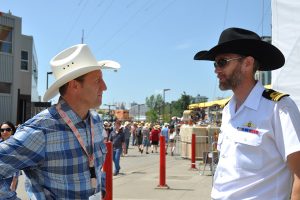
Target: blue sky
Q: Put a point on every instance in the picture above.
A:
(153, 40)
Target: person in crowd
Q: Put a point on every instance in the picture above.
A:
(8, 186)
(104, 133)
(133, 133)
(146, 136)
(172, 137)
(106, 130)
(259, 142)
(139, 136)
(127, 134)
(165, 133)
(61, 149)
(154, 138)
(117, 137)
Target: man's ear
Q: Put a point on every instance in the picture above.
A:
(248, 63)
(74, 85)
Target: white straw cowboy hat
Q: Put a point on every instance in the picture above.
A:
(72, 63)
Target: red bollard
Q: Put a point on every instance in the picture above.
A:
(108, 168)
(193, 152)
(162, 166)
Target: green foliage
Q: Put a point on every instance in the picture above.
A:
(152, 116)
(175, 108)
(154, 102)
(101, 111)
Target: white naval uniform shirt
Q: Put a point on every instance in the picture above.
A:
(253, 165)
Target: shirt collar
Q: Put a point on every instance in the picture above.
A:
(254, 97)
(71, 114)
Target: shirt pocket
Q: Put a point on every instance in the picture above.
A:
(249, 152)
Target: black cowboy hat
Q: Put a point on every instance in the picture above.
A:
(247, 43)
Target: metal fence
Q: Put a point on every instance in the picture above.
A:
(206, 153)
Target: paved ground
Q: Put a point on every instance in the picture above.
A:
(139, 178)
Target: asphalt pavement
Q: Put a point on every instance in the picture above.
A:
(139, 179)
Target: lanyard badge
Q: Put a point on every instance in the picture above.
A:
(69, 122)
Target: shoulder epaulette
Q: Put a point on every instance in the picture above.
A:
(273, 95)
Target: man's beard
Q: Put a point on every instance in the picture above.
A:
(233, 80)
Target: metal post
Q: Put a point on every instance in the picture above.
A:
(162, 166)
(211, 141)
(193, 152)
(138, 112)
(47, 79)
(108, 169)
(163, 109)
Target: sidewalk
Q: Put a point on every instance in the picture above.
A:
(141, 182)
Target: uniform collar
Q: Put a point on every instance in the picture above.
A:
(254, 97)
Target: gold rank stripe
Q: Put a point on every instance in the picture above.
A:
(273, 95)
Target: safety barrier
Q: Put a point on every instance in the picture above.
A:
(108, 169)
(162, 164)
(203, 153)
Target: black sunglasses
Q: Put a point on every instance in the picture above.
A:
(223, 61)
(5, 129)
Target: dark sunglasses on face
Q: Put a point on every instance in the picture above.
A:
(5, 129)
(223, 61)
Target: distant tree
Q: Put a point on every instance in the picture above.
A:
(175, 108)
(101, 111)
(152, 116)
(155, 103)
(181, 104)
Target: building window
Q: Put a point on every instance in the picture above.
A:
(5, 88)
(5, 39)
(24, 60)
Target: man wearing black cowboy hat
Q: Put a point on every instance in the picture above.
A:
(259, 142)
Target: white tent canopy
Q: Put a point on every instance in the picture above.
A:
(286, 36)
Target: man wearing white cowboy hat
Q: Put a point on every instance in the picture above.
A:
(259, 142)
(61, 149)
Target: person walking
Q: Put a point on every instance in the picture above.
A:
(172, 139)
(154, 138)
(146, 136)
(61, 149)
(139, 136)
(133, 133)
(106, 130)
(259, 142)
(127, 133)
(165, 133)
(117, 137)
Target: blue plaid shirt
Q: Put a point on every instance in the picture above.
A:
(50, 155)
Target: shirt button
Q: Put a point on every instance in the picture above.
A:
(223, 156)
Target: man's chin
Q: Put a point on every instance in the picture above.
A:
(98, 104)
(224, 87)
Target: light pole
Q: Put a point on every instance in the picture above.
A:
(47, 79)
(109, 105)
(163, 110)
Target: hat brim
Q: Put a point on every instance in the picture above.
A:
(268, 55)
(53, 89)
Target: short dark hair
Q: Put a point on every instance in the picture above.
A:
(62, 89)
(256, 65)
